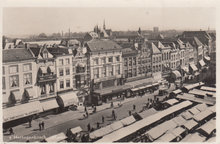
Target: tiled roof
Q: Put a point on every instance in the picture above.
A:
(155, 50)
(19, 54)
(35, 50)
(102, 45)
(128, 52)
(58, 51)
(196, 34)
(194, 41)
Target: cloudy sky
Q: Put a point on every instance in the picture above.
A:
(21, 21)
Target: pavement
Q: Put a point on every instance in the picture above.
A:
(55, 124)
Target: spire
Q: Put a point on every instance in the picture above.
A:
(139, 31)
(104, 24)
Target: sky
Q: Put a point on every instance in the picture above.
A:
(36, 20)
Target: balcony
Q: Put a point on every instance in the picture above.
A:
(46, 78)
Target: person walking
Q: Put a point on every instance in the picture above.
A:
(97, 125)
(87, 114)
(89, 127)
(42, 124)
(134, 107)
(103, 119)
(29, 121)
(129, 112)
(39, 126)
(85, 109)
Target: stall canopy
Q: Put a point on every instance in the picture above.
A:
(76, 130)
(194, 111)
(202, 115)
(201, 107)
(202, 63)
(101, 132)
(179, 120)
(22, 110)
(211, 89)
(178, 91)
(116, 125)
(187, 115)
(207, 58)
(178, 131)
(56, 138)
(147, 113)
(49, 104)
(128, 120)
(190, 124)
(167, 137)
(208, 128)
(193, 67)
(171, 101)
(196, 137)
(67, 99)
(176, 73)
(185, 69)
(43, 70)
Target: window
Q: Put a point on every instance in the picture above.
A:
(43, 89)
(67, 71)
(154, 60)
(103, 60)
(96, 72)
(60, 62)
(135, 72)
(110, 70)
(125, 63)
(14, 81)
(126, 73)
(130, 61)
(3, 82)
(159, 59)
(134, 61)
(96, 61)
(61, 72)
(104, 71)
(74, 70)
(117, 58)
(51, 87)
(27, 79)
(61, 84)
(110, 59)
(118, 69)
(13, 69)
(67, 61)
(68, 83)
(3, 70)
(26, 67)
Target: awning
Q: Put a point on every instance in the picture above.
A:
(81, 64)
(202, 63)
(17, 94)
(31, 92)
(178, 131)
(155, 84)
(194, 68)
(116, 125)
(52, 69)
(176, 73)
(56, 138)
(49, 104)
(43, 70)
(190, 124)
(187, 115)
(194, 111)
(203, 115)
(195, 137)
(207, 58)
(22, 110)
(135, 89)
(128, 120)
(185, 69)
(178, 91)
(147, 113)
(179, 120)
(67, 99)
(201, 107)
(76, 130)
(208, 88)
(100, 132)
(171, 101)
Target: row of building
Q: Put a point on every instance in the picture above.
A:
(95, 70)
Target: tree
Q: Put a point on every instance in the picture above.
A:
(42, 35)
(11, 99)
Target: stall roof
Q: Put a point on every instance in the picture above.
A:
(178, 91)
(123, 132)
(212, 108)
(202, 115)
(128, 120)
(208, 88)
(194, 68)
(176, 73)
(207, 58)
(208, 127)
(168, 137)
(190, 124)
(100, 132)
(22, 110)
(179, 120)
(171, 101)
(135, 89)
(178, 131)
(191, 86)
(56, 138)
(197, 92)
(202, 63)
(76, 130)
(196, 137)
(194, 111)
(116, 125)
(147, 113)
(191, 97)
(201, 107)
(187, 115)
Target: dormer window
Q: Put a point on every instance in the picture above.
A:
(45, 55)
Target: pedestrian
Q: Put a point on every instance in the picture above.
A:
(89, 127)
(29, 121)
(39, 126)
(87, 114)
(112, 104)
(129, 112)
(42, 124)
(11, 131)
(97, 125)
(103, 119)
(85, 109)
(134, 107)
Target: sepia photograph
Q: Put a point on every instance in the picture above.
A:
(108, 74)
